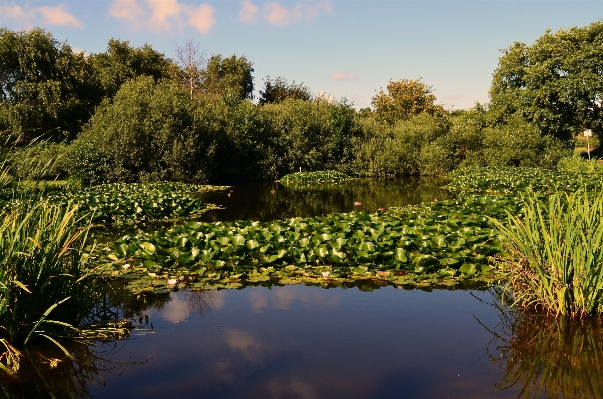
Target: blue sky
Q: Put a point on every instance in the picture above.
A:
(344, 48)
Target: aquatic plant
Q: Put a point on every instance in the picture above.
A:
(45, 285)
(123, 202)
(451, 239)
(509, 180)
(554, 253)
(319, 177)
(578, 164)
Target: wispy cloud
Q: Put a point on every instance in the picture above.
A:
(163, 15)
(30, 16)
(249, 12)
(343, 76)
(276, 13)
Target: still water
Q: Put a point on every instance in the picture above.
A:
(309, 342)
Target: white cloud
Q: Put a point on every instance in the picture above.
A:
(202, 18)
(31, 16)
(163, 15)
(277, 14)
(249, 12)
(343, 76)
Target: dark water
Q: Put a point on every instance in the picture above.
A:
(309, 342)
(271, 200)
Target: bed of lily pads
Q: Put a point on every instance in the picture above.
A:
(442, 242)
(515, 180)
(122, 203)
(318, 177)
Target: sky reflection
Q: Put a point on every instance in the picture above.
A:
(308, 342)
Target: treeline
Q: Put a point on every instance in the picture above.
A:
(132, 114)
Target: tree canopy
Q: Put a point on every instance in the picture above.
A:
(556, 83)
(228, 74)
(44, 85)
(278, 90)
(404, 99)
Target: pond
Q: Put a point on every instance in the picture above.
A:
(300, 341)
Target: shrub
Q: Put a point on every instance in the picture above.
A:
(149, 132)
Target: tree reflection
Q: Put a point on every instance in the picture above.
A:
(266, 201)
(549, 357)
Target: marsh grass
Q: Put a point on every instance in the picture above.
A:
(554, 253)
(45, 286)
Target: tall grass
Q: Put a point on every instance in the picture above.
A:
(45, 286)
(555, 253)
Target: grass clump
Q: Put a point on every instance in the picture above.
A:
(555, 253)
(319, 177)
(580, 165)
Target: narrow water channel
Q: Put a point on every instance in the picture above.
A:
(308, 342)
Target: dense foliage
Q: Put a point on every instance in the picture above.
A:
(555, 83)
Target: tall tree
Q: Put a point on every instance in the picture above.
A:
(44, 86)
(228, 74)
(122, 62)
(556, 83)
(404, 99)
(278, 90)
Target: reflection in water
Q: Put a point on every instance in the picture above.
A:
(46, 372)
(547, 357)
(266, 201)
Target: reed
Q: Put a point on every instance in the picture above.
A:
(45, 286)
(554, 253)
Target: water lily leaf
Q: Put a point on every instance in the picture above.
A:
(366, 246)
(252, 244)
(401, 255)
(148, 246)
(468, 269)
(359, 269)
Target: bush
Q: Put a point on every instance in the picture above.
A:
(519, 143)
(149, 132)
(313, 135)
(397, 151)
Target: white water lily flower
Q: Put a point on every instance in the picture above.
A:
(172, 281)
(126, 266)
(326, 274)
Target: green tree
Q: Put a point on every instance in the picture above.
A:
(404, 99)
(44, 86)
(556, 83)
(149, 131)
(278, 90)
(122, 62)
(228, 74)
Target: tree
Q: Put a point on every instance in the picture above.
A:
(121, 62)
(405, 99)
(44, 86)
(191, 60)
(556, 83)
(278, 90)
(228, 74)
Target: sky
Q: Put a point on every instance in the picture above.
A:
(340, 48)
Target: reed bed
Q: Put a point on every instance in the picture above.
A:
(45, 286)
(554, 253)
